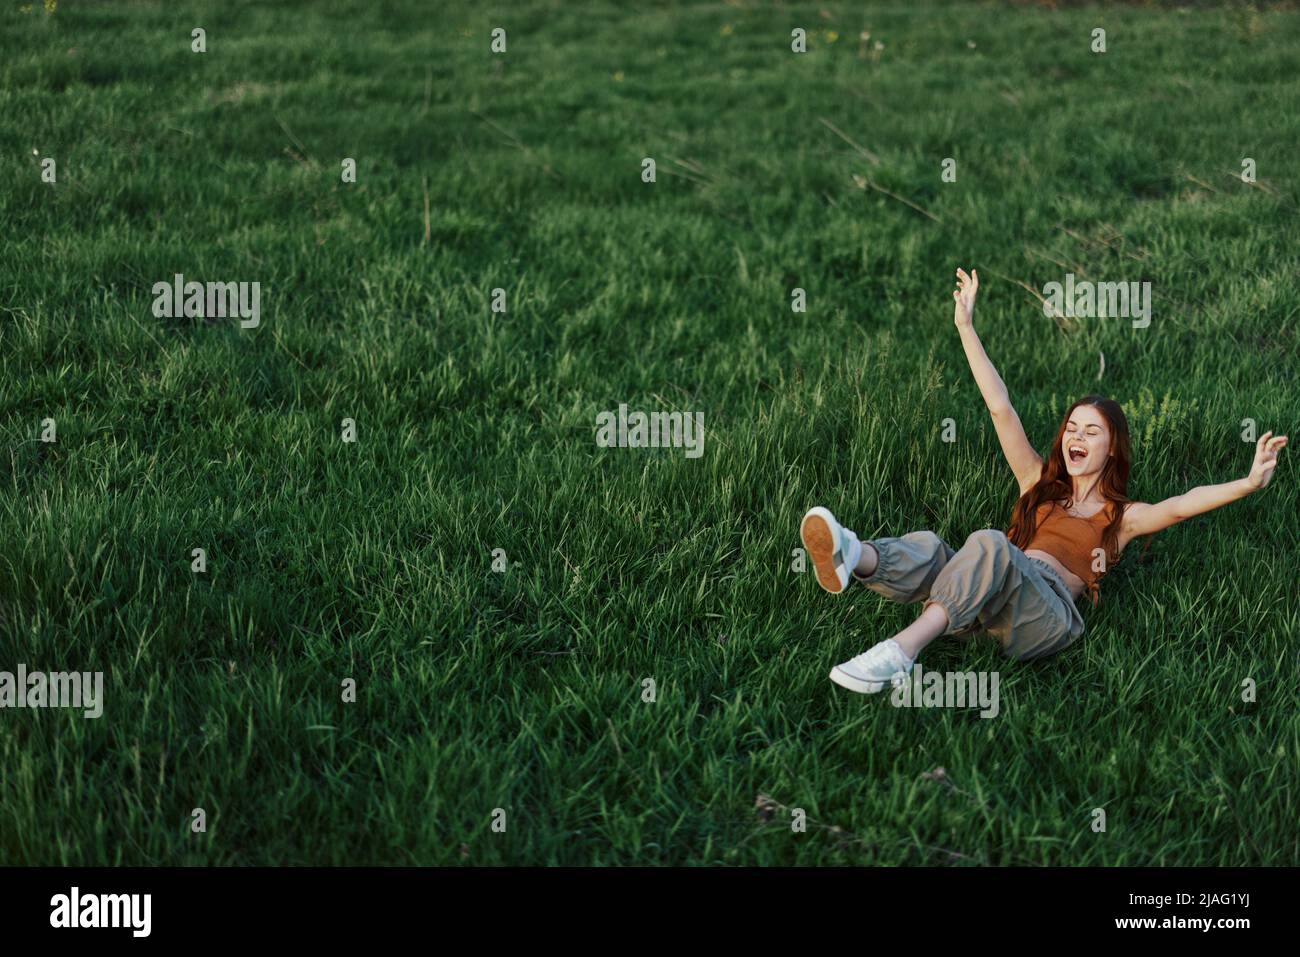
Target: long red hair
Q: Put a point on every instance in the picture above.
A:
(1055, 484)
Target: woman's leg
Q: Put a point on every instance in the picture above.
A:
(987, 580)
(912, 565)
(1039, 617)
(868, 563)
(929, 625)
(993, 582)
(901, 569)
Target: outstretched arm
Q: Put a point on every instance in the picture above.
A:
(1141, 518)
(1020, 455)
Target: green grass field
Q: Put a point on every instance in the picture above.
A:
(522, 690)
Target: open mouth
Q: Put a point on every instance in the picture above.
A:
(1078, 455)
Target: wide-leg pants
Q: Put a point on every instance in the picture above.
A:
(988, 582)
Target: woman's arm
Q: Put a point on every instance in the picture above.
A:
(1141, 518)
(1020, 455)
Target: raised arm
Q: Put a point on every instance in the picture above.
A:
(1024, 461)
(1141, 518)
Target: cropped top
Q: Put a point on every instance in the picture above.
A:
(1071, 540)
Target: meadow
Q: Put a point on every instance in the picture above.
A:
(499, 588)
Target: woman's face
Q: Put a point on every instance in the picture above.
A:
(1086, 442)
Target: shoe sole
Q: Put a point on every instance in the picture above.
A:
(819, 542)
(845, 680)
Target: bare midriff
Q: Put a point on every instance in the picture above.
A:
(1072, 580)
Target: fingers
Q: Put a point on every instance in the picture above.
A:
(1266, 450)
(966, 282)
(1269, 444)
(1268, 454)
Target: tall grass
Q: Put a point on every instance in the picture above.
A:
(523, 690)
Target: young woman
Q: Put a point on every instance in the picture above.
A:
(1071, 522)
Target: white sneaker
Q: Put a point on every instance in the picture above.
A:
(873, 670)
(834, 550)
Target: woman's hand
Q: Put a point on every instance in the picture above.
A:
(1266, 449)
(964, 296)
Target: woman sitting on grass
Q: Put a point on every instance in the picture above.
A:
(1072, 520)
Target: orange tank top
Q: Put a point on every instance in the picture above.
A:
(1071, 540)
